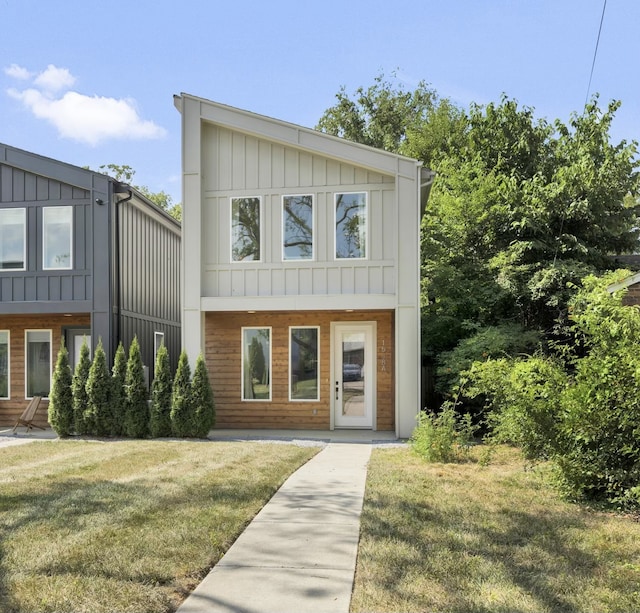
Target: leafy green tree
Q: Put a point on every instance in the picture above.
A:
(161, 388)
(61, 415)
(79, 389)
(118, 395)
(98, 415)
(202, 398)
(182, 405)
(136, 422)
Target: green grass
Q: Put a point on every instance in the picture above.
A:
(128, 526)
(468, 538)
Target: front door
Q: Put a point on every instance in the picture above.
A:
(353, 375)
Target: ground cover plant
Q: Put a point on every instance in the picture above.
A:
(126, 526)
(470, 537)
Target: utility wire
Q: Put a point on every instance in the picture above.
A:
(595, 53)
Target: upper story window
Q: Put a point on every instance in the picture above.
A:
(245, 229)
(57, 237)
(13, 230)
(351, 225)
(297, 227)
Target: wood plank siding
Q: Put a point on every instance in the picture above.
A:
(223, 357)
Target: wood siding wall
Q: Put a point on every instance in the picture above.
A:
(223, 357)
(11, 409)
(632, 297)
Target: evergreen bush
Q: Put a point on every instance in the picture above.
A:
(160, 420)
(61, 396)
(79, 389)
(118, 396)
(136, 423)
(202, 397)
(98, 414)
(182, 408)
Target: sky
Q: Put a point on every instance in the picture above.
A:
(91, 82)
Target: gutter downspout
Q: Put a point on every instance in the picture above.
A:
(119, 188)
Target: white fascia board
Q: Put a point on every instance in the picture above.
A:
(631, 280)
(305, 138)
(356, 302)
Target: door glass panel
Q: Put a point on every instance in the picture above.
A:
(353, 368)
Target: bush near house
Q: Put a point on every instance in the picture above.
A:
(160, 419)
(202, 398)
(182, 406)
(79, 389)
(136, 420)
(61, 396)
(118, 397)
(98, 414)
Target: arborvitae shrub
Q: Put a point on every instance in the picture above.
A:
(98, 415)
(118, 396)
(160, 420)
(202, 398)
(136, 423)
(61, 396)
(182, 417)
(79, 390)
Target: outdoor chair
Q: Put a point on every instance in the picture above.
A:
(29, 414)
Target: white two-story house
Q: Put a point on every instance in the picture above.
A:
(301, 272)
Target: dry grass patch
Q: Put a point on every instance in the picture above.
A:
(468, 538)
(128, 526)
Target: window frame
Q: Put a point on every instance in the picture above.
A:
(26, 359)
(366, 226)
(232, 237)
(8, 333)
(317, 398)
(268, 362)
(156, 346)
(24, 239)
(45, 210)
(312, 257)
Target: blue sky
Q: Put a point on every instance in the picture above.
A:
(92, 82)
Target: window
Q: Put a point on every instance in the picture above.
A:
(245, 229)
(38, 366)
(13, 233)
(158, 341)
(303, 364)
(4, 364)
(256, 363)
(297, 227)
(351, 225)
(57, 234)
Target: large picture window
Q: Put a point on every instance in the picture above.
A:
(303, 363)
(351, 225)
(297, 227)
(256, 363)
(245, 229)
(57, 237)
(38, 366)
(13, 239)
(4, 364)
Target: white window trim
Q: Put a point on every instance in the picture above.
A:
(24, 241)
(317, 399)
(156, 345)
(262, 232)
(26, 359)
(8, 396)
(270, 362)
(366, 226)
(44, 239)
(313, 227)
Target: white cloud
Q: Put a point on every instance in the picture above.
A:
(86, 119)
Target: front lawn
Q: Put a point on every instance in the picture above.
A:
(126, 526)
(467, 538)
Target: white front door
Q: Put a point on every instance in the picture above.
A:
(353, 375)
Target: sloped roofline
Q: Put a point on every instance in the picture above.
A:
(624, 283)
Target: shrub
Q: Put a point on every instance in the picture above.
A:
(118, 396)
(136, 422)
(202, 398)
(182, 413)
(79, 389)
(160, 419)
(98, 416)
(61, 397)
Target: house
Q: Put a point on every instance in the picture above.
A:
(301, 272)
(632, 286)
(82, 256)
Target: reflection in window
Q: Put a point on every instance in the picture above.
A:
(245, 229)
(297, 217)
(38, 363)
(351, 225)
(57, 233)
(4, 364)
(12, 239)
(256, 363)
(303, 358)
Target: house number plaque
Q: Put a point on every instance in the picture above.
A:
(383, 357)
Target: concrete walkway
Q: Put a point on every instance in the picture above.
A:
(299, 553)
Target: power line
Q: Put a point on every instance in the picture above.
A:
(595, 53)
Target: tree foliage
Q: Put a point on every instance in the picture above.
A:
(98, 415)
(182, 406)
(136, 422)
(79, 391)
(118, 396)
(202, 398)
(61, 416)
(160, 420)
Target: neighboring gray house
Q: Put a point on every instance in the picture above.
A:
(81, 256)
